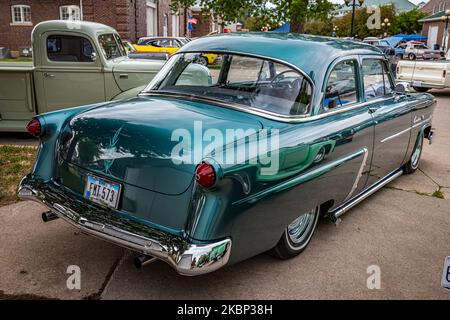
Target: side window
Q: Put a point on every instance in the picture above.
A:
(69, 49)
(377, 83)
(341, 88)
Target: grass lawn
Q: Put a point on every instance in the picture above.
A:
(15, 162)
(17, 60)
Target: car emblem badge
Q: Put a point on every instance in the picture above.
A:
(111, 150)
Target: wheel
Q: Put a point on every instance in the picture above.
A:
(421, 89)
(412, 56)
(203, 61)
(414, 162)
(297, 235)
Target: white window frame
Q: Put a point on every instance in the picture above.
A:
(69, 8)
(22, 21)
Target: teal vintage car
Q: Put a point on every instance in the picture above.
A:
(205, 169)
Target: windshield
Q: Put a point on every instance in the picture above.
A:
(247, 81)
(111, 46)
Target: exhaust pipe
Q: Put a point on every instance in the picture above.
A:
(142, 261)
(49, 216)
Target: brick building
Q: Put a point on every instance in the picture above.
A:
(131, 18)
(434, 24)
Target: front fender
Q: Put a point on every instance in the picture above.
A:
(132, 93)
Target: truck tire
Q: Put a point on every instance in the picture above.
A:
(421, 89)
(412, 56)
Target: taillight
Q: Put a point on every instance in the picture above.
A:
(34, 128)
(205, 175)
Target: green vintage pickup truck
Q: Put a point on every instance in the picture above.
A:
(75, 63)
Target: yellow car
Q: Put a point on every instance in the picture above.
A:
(171, 46)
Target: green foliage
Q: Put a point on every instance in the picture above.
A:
(298, 12)
(407, 22)
(361, 18)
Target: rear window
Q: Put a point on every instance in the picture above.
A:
(63, 48)
(248, 81)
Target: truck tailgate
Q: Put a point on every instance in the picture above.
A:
(16, 94)
(425, 72)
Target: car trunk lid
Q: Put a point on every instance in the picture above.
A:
(133, 141)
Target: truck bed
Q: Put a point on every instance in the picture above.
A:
(427, 74)
(17, 101)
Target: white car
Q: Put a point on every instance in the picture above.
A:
(417, 50)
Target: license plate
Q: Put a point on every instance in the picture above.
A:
(102, 192)
(417, 83)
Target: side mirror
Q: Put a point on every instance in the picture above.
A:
(93, 56)
(400, 88)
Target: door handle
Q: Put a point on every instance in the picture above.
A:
(373, 110)
(49, 75)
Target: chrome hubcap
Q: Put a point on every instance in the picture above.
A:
(300, 228)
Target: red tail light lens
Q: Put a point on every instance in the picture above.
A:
(34, 127)
(205, 175)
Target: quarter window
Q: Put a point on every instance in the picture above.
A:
(341, 88)
(69, 49)
(21, 14)
(70, 13)
(377, 82)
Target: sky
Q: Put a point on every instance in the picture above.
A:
(413, 1)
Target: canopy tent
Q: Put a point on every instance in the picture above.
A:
(411, 37)
(284, 28)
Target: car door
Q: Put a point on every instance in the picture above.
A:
(70, 72)
(391, 114)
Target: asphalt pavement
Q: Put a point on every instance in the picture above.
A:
(402, 231)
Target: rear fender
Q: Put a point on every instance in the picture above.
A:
(52, 123)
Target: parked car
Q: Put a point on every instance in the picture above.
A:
(418, 50)
(159, 44)
(74, 63)
(211, 166)
(133, 54)
(171, 46)
(425, 75)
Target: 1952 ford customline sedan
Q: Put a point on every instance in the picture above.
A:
(212, 165)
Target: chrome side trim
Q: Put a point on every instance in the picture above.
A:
(186, 258)
(336, 213)
(310, 175)
(407, 130)
(360, 174)
(262, 113)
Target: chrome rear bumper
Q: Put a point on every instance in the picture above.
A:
(185, 257)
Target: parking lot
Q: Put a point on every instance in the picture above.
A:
(403, 230)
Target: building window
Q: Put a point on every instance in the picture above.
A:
(21, 14)
(441, 6)
(70, 13)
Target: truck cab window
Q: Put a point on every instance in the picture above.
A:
(377, 83)
(111, 48)
(341, 88)
(63, 48)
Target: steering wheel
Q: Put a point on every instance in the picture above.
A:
(281, 74)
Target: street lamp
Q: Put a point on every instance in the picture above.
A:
(335, 30)
(386, 24)
(354, 5)
(445, 18)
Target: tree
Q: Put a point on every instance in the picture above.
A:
(408, 22)
(298, 12)
(224, 11)
(361, 19)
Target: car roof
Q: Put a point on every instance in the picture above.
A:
(311, 54)
(92, 29)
